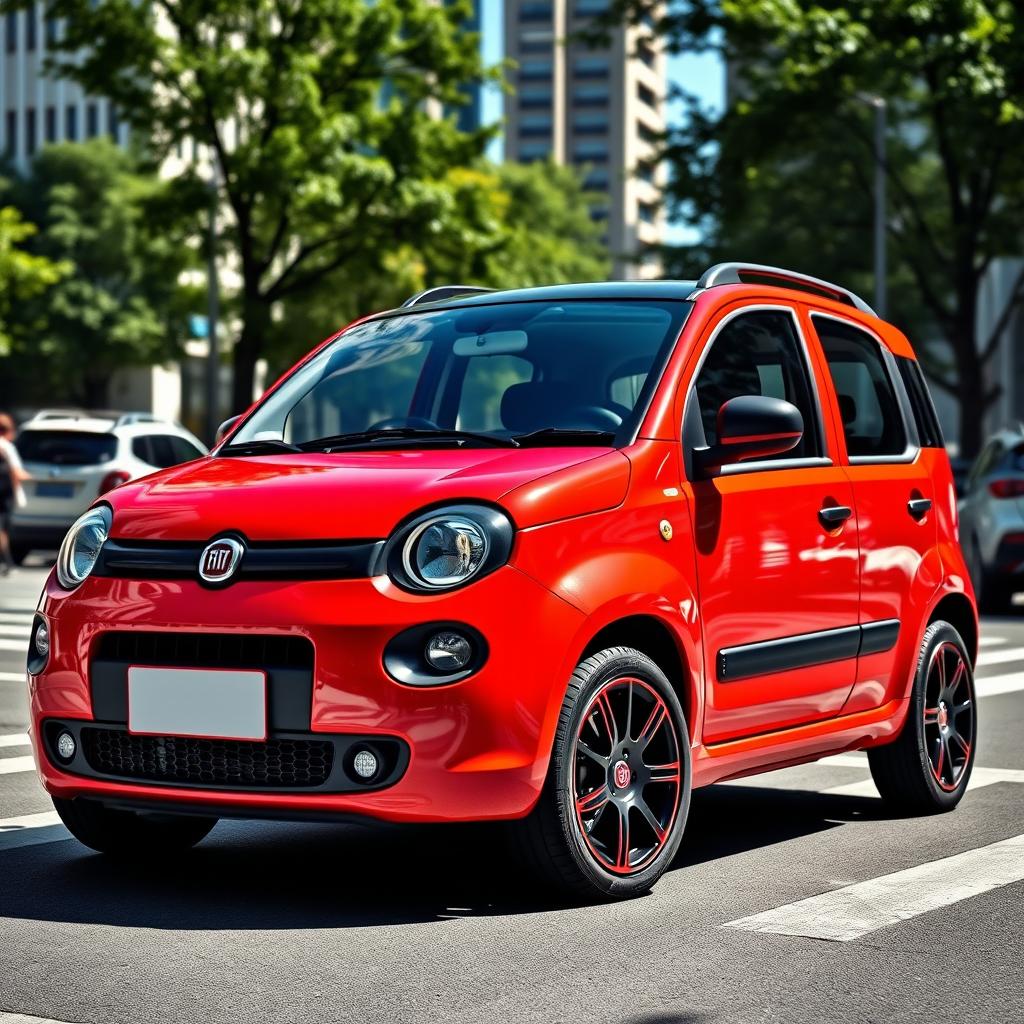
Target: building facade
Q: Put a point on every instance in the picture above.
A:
(601, 110)
(36, 109)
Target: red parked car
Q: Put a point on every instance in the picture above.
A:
(552, 556)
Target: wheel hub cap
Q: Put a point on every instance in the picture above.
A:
(621, 775)
(943, 717)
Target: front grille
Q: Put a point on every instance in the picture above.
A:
(232, 764)
(206, 650)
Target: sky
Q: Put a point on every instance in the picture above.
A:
(700, 74)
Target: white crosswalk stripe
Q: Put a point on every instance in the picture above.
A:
(24, 1018)
(17, 739)
(16, 765)
(991, 641)
(855, 910)
(1000, 657)
(12, 677)
(14, 645)
(15, 632)
(31, 830)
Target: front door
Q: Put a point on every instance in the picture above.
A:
(776, 540)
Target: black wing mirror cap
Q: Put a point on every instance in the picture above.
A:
(750, 427)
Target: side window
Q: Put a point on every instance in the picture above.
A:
(872, 422)
(985, 463)
(758, 353)
(487, 378)
(163, 451)
(183, 451)
(141, 450)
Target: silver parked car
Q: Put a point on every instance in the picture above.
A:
(992, 520)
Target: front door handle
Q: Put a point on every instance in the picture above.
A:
(919, 507)
(833, 516)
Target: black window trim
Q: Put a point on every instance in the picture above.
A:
(913, 446)
(758, 465)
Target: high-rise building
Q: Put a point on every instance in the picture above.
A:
(34, 108)
(469, 116)
(599, 109)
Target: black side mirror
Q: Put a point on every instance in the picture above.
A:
(225, 428)
(750, 427)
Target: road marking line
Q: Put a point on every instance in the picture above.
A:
(855, 910)
(31, 830)
(995, 686)
(14, 739)
(16, 618)
(979, 777)
(14, 765)
(15, 632)
(12, 677)
(14, 645)
(24, 1018)
(1001, 657)
(992, 641)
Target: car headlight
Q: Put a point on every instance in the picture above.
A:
(448, 547)
(81, 548)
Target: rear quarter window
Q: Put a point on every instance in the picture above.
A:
(928, 431)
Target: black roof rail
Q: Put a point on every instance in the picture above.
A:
(738, 273)
(442, 292)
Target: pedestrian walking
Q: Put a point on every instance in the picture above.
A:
(12, 494)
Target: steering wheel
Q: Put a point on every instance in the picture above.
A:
(398, 422)
(591, 417)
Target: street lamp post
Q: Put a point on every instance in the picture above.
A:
(213, 311)
(881, 270)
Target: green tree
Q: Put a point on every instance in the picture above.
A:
(105, 220)
(784, 175)
(510, 226)
(23, 276)
(320, 117)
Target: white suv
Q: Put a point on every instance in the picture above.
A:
(73, 456)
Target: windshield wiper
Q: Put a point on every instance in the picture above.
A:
(368, 438)
(557, 435)
(263, 446)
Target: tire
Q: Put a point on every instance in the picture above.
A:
(125, 833)
(927, 768)
(573, 839)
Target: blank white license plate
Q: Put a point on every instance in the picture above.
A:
(209, 703)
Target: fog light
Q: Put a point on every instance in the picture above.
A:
(448, 651)
(365, 764)
(42, 640)
(66, 746)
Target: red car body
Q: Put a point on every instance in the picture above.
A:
(612, 545)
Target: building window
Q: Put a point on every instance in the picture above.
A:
(599, 213)
(590, 96)
(536, 41)
(12, 133)
(645, 52)
(71, 123)
(647, 95)
(30, 131)
(590, 152)
(30, 28)
(645, 172)
(51, 124)
(534, 98)
(92, 121)
(590, 124)
(113, 121)
(530, 151)
(535, 69)
(535, 12)
(590, 8)
(647, 212)
(647, 133)
(534, 125)
(50, 31)
(591, 67)
(11, 31)
(596, 180)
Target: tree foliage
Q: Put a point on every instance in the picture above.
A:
(784, 174)
(106, 222)
(320, 116)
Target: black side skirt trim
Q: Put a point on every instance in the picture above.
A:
(805, 650)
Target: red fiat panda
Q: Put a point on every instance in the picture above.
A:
(552, 556)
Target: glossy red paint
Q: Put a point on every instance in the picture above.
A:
(746, 560)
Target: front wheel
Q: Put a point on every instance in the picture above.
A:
(126, 833)
(611, 816)
(927, 768)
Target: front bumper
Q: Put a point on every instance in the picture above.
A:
(476, 749)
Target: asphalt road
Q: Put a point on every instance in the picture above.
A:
(294, 923)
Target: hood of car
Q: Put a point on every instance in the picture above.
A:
(361, 495)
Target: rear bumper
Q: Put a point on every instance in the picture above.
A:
(477, 749)
(38, 532)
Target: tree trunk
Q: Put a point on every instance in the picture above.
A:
(95, 390)
(969, 371)
(249, 349)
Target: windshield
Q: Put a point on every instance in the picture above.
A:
(565, 371)
(66, 447)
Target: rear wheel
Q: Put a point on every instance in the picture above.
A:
(130, 832)
(614, 806)
(927, 768)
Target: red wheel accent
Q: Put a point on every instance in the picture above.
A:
(627, 775)
(948, 715)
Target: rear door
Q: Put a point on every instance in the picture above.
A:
(893, 477)
(778, 581)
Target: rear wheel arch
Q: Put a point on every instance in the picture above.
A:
(956, 609)
(655, 638)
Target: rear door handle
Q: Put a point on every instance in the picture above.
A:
(919, 507)
(833, 516)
